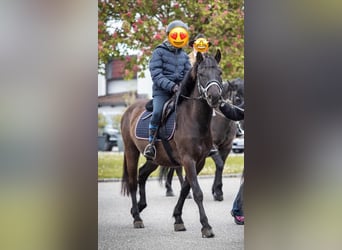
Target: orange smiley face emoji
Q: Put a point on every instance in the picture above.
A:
(178, 37)
(201, 45)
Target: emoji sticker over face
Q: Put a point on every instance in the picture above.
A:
(178, 37)
(201, 45)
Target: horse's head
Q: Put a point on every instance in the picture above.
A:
(234, 92)
(208, 75)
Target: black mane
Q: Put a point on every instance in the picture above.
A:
(187, 84)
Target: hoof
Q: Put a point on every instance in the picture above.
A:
(218, 197)
(180, 227)
(138, 224)
(207, 233)
(169, 193)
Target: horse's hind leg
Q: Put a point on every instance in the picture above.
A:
(217, 184)
(144, 173)
(168, 183)
(137, 222)
(131, 157)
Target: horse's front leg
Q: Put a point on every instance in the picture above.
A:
(181, 179)
(216, 189)
(207, 231)
(144, 173)
(191, 178)
(177, 212)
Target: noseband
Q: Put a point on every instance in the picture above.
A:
(203, 91)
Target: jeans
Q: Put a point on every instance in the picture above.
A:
(238, 202)
(158, 104)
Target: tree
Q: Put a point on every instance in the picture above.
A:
(137, 27)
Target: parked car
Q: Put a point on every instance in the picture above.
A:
(112, 136)
(108, 136)
(238, 145)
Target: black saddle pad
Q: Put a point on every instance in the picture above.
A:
(141, 129)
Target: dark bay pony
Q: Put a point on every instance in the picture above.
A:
(200, 92)
(223, 132)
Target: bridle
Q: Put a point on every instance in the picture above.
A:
(232, 96)
(203, 91)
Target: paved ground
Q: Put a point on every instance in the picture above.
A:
(115, 229)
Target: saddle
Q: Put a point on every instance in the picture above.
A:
(167, 127)
(168, 108)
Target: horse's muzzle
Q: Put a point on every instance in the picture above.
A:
(213, 101)
(213, 94)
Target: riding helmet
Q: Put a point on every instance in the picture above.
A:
(176, 23)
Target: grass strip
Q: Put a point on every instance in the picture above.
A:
(110, 165)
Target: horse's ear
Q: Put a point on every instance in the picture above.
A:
(225, 89)
(199, 57)
(232, 85)
(218, 56)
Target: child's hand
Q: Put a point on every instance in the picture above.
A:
(175, 88)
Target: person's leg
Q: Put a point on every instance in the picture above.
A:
(158, 103)
(237, 210)
(237, 205)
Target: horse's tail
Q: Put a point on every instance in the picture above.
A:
(124, 181)
(162, 174)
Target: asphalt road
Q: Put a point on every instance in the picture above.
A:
(115, 223)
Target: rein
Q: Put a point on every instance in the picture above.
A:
(191, 98)
(231, 99)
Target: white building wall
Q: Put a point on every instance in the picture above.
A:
(121, 86)
(144, 85)
(110, 111)
(101, 85)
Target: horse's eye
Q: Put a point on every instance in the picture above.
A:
(201, 72)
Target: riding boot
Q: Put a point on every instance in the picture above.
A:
(213, 150)
(150, 149)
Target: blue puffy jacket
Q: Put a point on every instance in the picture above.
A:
(168, 67)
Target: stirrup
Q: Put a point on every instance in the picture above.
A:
(150, 152)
